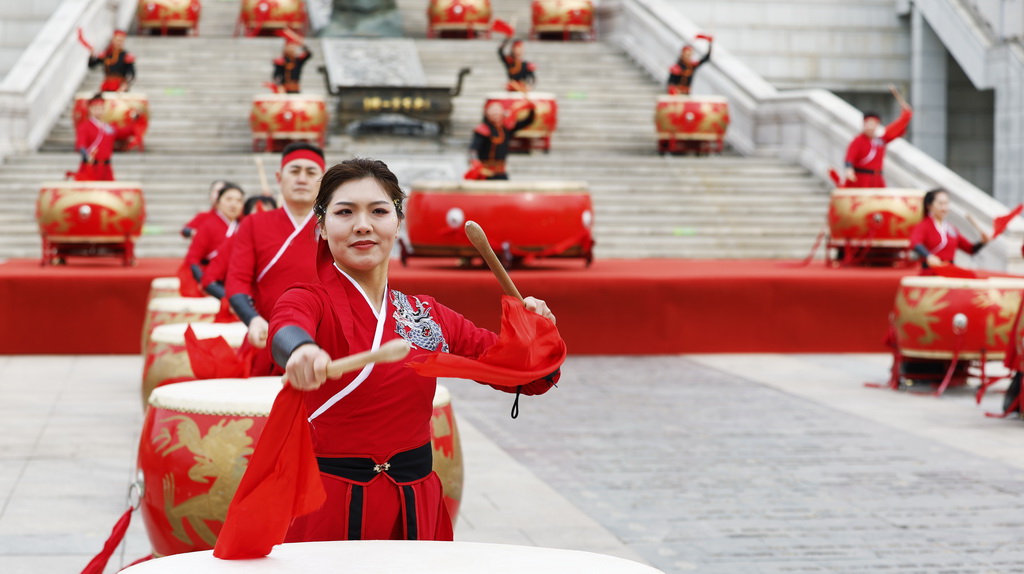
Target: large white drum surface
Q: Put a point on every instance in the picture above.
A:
(400, 557)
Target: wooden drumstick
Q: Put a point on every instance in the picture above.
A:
(974, 222)
(263, 176)
(393, 350)
(479, 239)
(899, 97)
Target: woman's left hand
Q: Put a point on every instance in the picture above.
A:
(539, 307)
(985, 238)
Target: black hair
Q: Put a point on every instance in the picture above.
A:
(872, 114)
(251, 203)
(228, 186)
(354, 170)
(295, 146)
(930, 195)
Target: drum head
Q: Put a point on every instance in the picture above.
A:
(239, 397)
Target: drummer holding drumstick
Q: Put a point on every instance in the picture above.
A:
(935, 240)
(491, 139)
(866, 153)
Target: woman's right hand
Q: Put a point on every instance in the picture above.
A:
(934, 261)
(306, 369)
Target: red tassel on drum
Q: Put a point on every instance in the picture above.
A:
(214, 358)
(953, 271)
(529, 348)
(99, 562)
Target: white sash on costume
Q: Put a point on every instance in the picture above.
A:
(287, 242)
(365, 373)
(942, 233)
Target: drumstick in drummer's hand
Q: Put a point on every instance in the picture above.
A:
(394, 350)
(263, 175)
(479, 239)
(899, 97)
(974, 222)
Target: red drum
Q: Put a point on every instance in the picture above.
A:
(164, 287)
(691, 124)
(523, 220)
(939, 317)
(270, 16)
(169, 15)
(458, 18)
(166, 359)
(562, 18)
(167, 310)
(195, 446)
(278, 119)
(537, 134)
(447, 447)
(128, 114)
(882, 217)
(90, 218)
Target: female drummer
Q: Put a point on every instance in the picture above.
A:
(214, 230)
(935, 240)
(373, 443)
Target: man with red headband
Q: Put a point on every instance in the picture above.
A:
(94, 140)
(118, 65)
(520, 72)
(681, 73)
(866, 153)
(275, 249)
(288, 68)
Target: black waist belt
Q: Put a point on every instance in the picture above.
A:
(404, 467)
(870, 171)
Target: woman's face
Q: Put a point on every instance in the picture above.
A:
(939, 208)
(231, 203)
(360, 225)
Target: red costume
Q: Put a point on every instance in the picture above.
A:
(197, 222)
(373, 444)
(940, 239)
(208, 238)
(118, 68)
(866, 155)
(272, 251)
(94, 140)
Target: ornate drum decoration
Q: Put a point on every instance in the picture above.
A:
(166, 310)
(522, 220)
(277, 119)
(166, 359)
(127, 113)
(563, 17)
(882, 217)
(458, 18)
(939, 317)
(269, 16)
(195, 446)
(545, 116)
(702, 120)
(90, 218)
(164, 287)
(164, 15)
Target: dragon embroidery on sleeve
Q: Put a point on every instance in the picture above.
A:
(414, 323)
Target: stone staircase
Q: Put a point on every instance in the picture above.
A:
(200, 89)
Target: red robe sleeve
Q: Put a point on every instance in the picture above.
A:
(898, 127)
(300, 307)
(82, 138)
(203, 243)
(964, 244)
(217, 270)
(918, 235)
(857, 150)
(241, 273)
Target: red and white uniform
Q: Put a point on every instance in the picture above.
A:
(95, 138)
(386, 414)
(207, 239)
(939, 239)
(866, 155)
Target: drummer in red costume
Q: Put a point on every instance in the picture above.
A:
(681, 73)
(491, 139)
(866, 153)
(935, 240)
(520, 72)
(288, 67)
(118, 65)
(94, 140)
(215, 229)
(276, 249)
(372, 440)
(189, 228)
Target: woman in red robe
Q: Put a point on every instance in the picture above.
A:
(370, 430)
(214, 230)
(935, 240)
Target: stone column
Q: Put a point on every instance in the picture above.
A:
(928, 88)
(1008, 77)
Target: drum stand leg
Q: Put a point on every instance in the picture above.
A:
(952, 366)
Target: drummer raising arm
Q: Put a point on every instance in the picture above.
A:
(118, 65)
(288, 67)
(681, 73)
(492, 137)
(935, 240)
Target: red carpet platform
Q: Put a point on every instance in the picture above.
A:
(651, 306)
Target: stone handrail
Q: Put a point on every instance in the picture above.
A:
(811, 127)
(1005, 18)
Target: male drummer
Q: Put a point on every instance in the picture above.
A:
(94, 140)
(866, 153)
(520, 72)
(118, 65)
(491, 139)
(288, 67)
(681, 73)
(275, 249)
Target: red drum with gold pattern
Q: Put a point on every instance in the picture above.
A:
(691, 124)
(447, 447)
(90, 218)
(279, 119)
(127, 113)
(163, 16)
(167, 310)
(166, 359)
(458, 18)
(878, 217)
(270, 16)
(938, 317)
(562, 18)
(537, 134)
(523, 220)
(195, 446)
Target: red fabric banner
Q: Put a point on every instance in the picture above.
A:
(999, 224)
